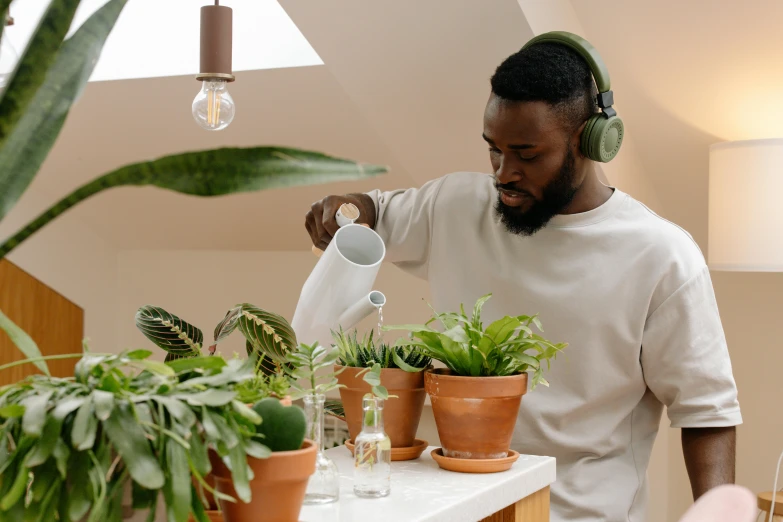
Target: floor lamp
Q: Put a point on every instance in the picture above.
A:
(746, 226)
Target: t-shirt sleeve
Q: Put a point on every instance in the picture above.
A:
(404, 221)
(686, 361)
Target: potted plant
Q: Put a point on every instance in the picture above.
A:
(279, 480)
(266, 335)
(366, 366)
(70, 446)
(476, 398)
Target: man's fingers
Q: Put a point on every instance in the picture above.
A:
(329, 217)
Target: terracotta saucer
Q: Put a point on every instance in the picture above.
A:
(397, 454)
(474, 465)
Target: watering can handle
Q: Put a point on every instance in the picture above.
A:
(345, 216)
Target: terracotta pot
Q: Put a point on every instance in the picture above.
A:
(475, 416)
(400, 415)
(277, 489)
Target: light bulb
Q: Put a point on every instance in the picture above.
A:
(213, 108)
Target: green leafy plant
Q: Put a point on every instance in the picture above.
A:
(366, 353)
(307, 370)
(50, 76)
(268, 336)
(507, 346)
(69, 446)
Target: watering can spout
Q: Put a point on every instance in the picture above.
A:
(361, 309)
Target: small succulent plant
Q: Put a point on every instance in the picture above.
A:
(366, 353)
(283, 426)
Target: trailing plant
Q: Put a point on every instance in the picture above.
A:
(507, 346)
(51, 75)
(366, 353)
(70, 445)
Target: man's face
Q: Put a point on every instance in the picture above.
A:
(533, 161)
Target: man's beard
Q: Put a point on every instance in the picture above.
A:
(556, 197)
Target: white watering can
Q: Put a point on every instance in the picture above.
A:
(338, 292)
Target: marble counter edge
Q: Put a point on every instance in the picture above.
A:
(483, 504)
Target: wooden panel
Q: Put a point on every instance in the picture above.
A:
(55, 323)
(534, 508)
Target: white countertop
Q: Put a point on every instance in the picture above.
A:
(421, 491)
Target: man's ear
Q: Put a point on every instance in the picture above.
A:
(576, 140)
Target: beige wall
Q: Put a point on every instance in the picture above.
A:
(70, 258)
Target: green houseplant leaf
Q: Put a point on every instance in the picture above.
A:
(23, 341)
(29, 140)
(268, 334)
(212, 173)
(30, 71)
(169, 332)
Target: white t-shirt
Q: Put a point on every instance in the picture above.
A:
(631, 294)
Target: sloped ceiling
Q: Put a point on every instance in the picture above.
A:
(404, 84)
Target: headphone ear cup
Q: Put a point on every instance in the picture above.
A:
(587, 136)
(602, 137)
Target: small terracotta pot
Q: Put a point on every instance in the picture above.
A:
(475, 416)
(400, 414)
(277, 489)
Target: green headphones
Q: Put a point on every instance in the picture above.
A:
(603, 133)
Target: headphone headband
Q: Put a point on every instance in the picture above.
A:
(585, 50)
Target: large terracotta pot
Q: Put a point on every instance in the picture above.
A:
(475, 416)
(400, 415)
(277, 489)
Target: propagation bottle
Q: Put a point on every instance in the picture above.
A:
(372, 453)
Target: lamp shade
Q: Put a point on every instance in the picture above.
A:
(746, 206)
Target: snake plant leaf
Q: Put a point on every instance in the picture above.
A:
(26, 143)
(30, 71)
(22, 341)
(169, 332)
(268, 333)
(216, 172)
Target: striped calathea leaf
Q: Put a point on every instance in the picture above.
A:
(269, 335)
(168, 332)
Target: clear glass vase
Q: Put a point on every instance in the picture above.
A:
(324, 485)
(372, 453)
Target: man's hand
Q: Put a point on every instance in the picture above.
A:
(709, 457)
(321, 223)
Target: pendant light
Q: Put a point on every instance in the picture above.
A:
(213, 108)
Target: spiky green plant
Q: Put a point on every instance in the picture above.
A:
(508, 346)
(366, 353)
(50, 76)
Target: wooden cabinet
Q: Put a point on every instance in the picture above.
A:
(55, 323)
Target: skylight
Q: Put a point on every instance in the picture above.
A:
(156, 38)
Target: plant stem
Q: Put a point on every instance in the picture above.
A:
(48, 358)
(77, 196)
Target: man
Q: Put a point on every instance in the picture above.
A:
(629, 291)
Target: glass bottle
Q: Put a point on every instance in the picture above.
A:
(372, 453)
(324, 485)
